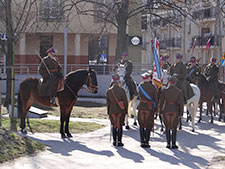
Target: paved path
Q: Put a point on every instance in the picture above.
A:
(93, 150)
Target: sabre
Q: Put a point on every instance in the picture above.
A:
(44, 63)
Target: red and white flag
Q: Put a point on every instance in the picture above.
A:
(193, 47)
(208, 43)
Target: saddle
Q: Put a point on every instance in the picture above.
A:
(50, 87)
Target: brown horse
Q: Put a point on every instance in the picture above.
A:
(221, 100)
(28, 94)
(206, 95)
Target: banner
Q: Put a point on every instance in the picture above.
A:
(157, 72)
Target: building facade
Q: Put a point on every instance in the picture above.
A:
(188, 35)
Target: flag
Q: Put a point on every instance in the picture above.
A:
(193, 47)
(157, 72)
(208, 43)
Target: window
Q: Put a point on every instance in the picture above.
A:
(51, 9)
(46, 42)
(98, 46)
(103, 11)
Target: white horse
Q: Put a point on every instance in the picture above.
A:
(192, 103)
(121, 71)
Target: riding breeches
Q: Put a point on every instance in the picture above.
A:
(117, 119)
(170, 120)
(146, 119)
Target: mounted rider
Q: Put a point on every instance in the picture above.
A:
(211, 72)
(128, 70)
(180, 70)
(146, 108)
(171, 108)
(192, 69)
(51, 72)
(164, 62)
(117, 108)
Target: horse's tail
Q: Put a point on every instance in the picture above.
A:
(19, 104)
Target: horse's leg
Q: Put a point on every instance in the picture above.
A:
(62, 120)
(210, 109)
(67, 118)
(134, 110)
(180, 127)
(129, 109)
(200, 116)
(160, 118)
(67, 126)
(25, 109)
(126, 122)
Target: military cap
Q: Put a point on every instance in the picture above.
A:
(145, 75)
(179, 56)
(173, 79)
(116, 78)
(124, 54)
(213, 60)
(193, 59)
(51, 50)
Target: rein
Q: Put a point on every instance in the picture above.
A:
(89, 80)
(75, 96)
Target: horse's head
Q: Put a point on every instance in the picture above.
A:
(121, 72)
(91, 81)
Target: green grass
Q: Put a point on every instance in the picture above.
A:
(13, 146)
(52, 126)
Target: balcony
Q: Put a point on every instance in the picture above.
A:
(174, 42)
(202, 40)
(205, 14)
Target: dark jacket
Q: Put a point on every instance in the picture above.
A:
(50, 77)
(181, 72)
(112, 106)
(211, 72)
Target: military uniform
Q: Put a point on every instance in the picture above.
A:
(211, 72)
(50, 81)
(171, 107)
(179, 69)
(192, 71)
(116, 114)
(146, 111)
(128, 79)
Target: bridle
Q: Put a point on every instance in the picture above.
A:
(90, 87)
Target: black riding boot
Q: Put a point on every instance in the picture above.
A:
(168, 138)
(174, 138)
(114, 136)
(142, 136)
(147, 136)
(120, 133)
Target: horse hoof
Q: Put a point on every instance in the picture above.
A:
(69, 135)
(180, 128)
(24, 131)
(199, 121)
(135, 123)
(193, 130)
(161, 130)
(63, 136)
(211, 121)
(127, 127)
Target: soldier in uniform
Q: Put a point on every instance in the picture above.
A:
(114, 96)
(128, 79)
(164, 62)
(51, 72)
(211, 72)
(192, 69)
(146, 108)
(171, 107)
(180, 70)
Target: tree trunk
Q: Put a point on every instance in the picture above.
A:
(122, 17)
(10, 63)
